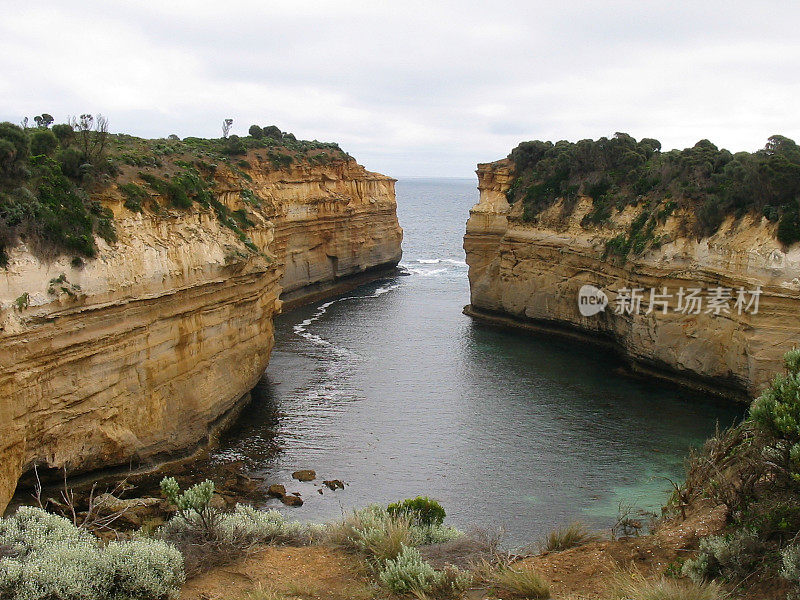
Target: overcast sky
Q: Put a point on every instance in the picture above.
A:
(412, 88)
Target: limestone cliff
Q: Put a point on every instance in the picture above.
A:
(142, 353)
(330, 224)
(528, 275)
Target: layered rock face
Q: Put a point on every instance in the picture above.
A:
(529, 275)
(142, 353)
(331, 224)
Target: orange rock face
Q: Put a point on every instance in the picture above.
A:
(144, 352)
(528, 274)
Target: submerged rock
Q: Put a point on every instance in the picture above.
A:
(291, 500)
(334, 484)
(305, 475)
(276, 490)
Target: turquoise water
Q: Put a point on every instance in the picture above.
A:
(395, 392)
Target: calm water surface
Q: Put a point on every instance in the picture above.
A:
(392, 390)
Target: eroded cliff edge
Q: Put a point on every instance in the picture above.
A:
(527, 274)
(141, 353)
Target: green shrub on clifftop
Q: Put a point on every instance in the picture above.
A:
(710, 183)
(421, 511)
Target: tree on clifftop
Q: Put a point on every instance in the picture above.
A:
(226, 127)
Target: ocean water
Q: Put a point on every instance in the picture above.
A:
(391, 389)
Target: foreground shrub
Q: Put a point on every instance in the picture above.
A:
(410, 573)
(372, 531)
(378, 534)
(208, 537)
(777, 411)
(790, 559)
(635, 586)
(776, 416)
(407, 572)
(571, 536)
(733, 556)
(47, 557)
(421, 511)
(245, 527)
(753, 469)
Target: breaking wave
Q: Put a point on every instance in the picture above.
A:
(301, 328)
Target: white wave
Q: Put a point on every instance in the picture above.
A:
(383, 290)
(301, 328)
(426, 272)
(437, 261)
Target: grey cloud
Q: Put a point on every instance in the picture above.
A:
(414, 88)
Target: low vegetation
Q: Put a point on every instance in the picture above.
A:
(50, 178)
(708, 182)
(518, 581)
(571, 536)
(208, 537)
(421, 511)
(632, 585)
(754, 470)
(44, 556)
(385, 540)
(408, 572)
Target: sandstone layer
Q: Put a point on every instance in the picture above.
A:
(528, 275)
(331, 225)
(140, 354)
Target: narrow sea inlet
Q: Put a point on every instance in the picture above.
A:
(394, 391)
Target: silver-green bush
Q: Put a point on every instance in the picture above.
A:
(410, 573)
(790, 557)
(407, 572)
(377, 533)
(732, 556)
(53, 559)
(211, 537)
(244, 527)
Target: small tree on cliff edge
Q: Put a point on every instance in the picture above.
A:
(226, 127)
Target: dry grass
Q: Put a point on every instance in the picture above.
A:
(380, 539)
(632, 585)
(519, 581)
(571, 536)
(315, 591)
(263, 593)
(473, 548)
(308, 590)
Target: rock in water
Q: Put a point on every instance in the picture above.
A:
(276, 490)
(290, 500)
(305, 475)
(334, 484)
